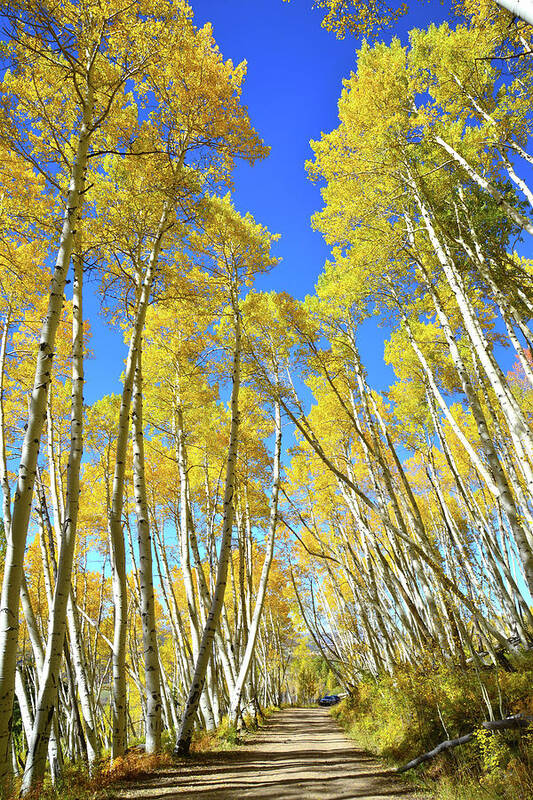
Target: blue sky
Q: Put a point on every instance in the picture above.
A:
(295, 73)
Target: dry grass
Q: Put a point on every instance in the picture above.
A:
(133, 765)
(77, 784)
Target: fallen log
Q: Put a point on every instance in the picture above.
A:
(446, 745)
(517, 721)
(514, 722)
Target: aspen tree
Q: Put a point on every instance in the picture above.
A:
(88, 97)
(423, 196)
(179, 371)
(269, 348)
(263, 581)
(192, 115)
(362, 17)
(234, 249)
(149, 632)
(117, 498)
(36, 760)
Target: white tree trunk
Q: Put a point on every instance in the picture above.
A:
(206, 644)
(517, 427)
(146, 588)
(47, 699)
(9, 602)
(518, 8)
(263, 581)
(88, 700)
(4, 480)
(116, 537)
(516, 216)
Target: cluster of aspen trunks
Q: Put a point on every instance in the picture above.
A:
(420, 501)
(122, 126)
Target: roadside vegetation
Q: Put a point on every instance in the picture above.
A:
(404, 714)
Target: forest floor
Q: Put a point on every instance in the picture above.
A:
(300, 753)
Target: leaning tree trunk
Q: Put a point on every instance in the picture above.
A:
(415, 548)
(511, 212)
(208, 635)
(54, 749)
(87, 701)
(515, 422)
(518, 8)
(184, 531)
(9, 604)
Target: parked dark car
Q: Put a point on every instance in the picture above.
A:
(329, 700)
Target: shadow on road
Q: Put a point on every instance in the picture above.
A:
(301, 753)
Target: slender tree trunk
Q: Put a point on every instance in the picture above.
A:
(514, 215)
(88, 702)
(4, 479)
(9, 603)
(514, 420)
(26, 711)
(47, 700)
(149, 631)
(206, 644)
(263, 581)
(116, 536)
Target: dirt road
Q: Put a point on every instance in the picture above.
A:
(301, 753)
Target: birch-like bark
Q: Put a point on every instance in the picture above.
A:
(341, 678)
(88, 702)
(54, 749)
(116, 536)
(9, 603)
(477, 104)
(499, 486)
(183, 650)
(498, 561)
(516, 179)
(206, 644)
(516, 424)
(54, 470)
(518, 8)
(75, 636)
(263, 581)
(223, 652)
(436, 393)
(505, 304)
(414, 547)
(26, 711)
(146, 588)
(183, 528)
(185, 532)
(47, 699)
(514, 215)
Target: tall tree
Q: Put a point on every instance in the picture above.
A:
(234, 249)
